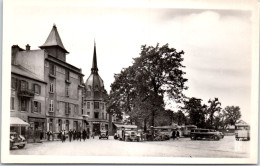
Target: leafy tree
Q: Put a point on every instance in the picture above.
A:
(156, 73)
(196, 111)
(232, 114)
(212, 109)
(179, 118)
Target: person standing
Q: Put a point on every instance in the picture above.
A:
(84, 134)
(173, 134)
(177, 134)
(48, 135)
(74, 134)
(70, 135)
(79, 135)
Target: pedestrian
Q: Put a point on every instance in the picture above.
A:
(48, 135)
(177, 134)
(87, 134)
(93, 134)
(74, 134)
(63, 136)
(84, 134)
(173, 134)
(41, 135)
(70, 135)
(79, 135)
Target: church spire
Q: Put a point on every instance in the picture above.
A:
(94, 68)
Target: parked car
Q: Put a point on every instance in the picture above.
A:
(103, 134)
(208, 134)
(17, 140)
(132, 135)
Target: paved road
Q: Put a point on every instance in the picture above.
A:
(184, 147)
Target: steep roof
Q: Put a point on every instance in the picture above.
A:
(54, 39)
(17, 69)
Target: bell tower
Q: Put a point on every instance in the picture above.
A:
(53, 45)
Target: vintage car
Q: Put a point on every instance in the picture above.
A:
(17, 140)
(242, 132)
(187, 129)
(127, 133)
(207, 134)
(103, 134)
(163, 133)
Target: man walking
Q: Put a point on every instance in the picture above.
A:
(173, 134)
(70, 135)
(84, 134)
(79, 135)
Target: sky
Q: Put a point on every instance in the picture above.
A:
(217, 43)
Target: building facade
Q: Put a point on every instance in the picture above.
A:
(94, 103)
(64, 87)
(27, 100)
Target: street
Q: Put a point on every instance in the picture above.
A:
(184, 147)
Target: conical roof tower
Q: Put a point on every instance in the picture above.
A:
(54, 46)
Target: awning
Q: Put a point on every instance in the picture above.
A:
(15, 121)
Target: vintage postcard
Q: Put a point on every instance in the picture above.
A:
(170, 82)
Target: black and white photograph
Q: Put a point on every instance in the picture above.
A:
(123, 82)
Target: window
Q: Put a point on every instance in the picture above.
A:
(12, 103)
(51, 88)
(96, 115)
(52, 69)
(13, 83)
(51, 106)
(37, 89)
(24, 85)
(67, 75)
(67, 90)
(67, 109)
(96, 105)
(102, 115)
(106, 115)
(88, 105)
(88, 113)
(36, 106)
(23, 104)
(102, 106)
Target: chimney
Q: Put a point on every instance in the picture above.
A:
(28, 47)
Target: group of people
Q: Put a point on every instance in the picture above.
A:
(78, 135)
(175, 134)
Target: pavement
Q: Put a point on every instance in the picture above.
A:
(184, 147)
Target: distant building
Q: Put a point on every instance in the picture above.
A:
(63, 94)
(95, 105)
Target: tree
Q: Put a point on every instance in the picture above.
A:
(179, 118)
(212, 109)
(232, 115)
(156, 73)
(196, 111)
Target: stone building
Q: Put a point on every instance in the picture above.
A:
(64, 82)
(27, 101)
(94, 104)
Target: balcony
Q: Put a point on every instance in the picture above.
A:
(26, 93)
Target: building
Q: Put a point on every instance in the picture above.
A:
(27, 100)
(63, 94)
(94, 103)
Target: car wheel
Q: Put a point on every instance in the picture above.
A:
(216, 138)
(192, 137)
(21, 146)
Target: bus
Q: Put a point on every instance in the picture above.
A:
(187, 129)
(242, 132)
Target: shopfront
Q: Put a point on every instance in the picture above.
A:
(36, 130)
